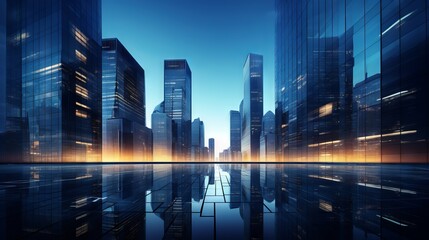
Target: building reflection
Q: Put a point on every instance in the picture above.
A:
(51, 202)
(194, 201)
(124, 200)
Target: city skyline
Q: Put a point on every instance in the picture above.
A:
(214, 47)
(343, 89)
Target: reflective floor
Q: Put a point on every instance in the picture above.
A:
(202, 201)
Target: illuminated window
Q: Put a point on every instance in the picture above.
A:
(80, 56)
(81, 77)
(83, 92)
(80, 37)
(81, 113)
(82, 105)
(325, 110)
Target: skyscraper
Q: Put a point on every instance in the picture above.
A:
(252, 107)
(350, 82)
(52, 88)
(197, 147)
(162, 135)
(211, 149)
(267, 140)
(124, 108)
(178, 105)
(235, 135)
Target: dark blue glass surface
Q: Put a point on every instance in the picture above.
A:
(207, 201)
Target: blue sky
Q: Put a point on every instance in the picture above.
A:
(215, 37)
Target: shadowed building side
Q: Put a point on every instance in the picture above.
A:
(125, 135)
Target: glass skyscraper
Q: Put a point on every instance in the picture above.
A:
(267, 140)
(235, 135)
(351, 81)
(211, 149)
(197, 146)
(252, 109)
(124, 109)
(178, 105)
(162, 135)
(51, 101)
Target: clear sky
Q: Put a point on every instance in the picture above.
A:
(214, 36)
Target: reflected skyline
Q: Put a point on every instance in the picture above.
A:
(214, 201)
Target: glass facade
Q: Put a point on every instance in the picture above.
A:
(351, 81)
(124, 109)
(252, 107)
(2, 66)
(235, 135)
(53, 72)
(267, 140)
(178, 105)
(162, 135)
(211, 149)
(197, 146)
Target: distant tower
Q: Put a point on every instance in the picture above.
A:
(177, 98)
(268, 140)
(162, 134)
(197, 148)
(211, 149)
(235, 135)
(252, 107)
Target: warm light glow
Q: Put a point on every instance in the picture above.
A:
(80, 37)
(83, 92)
(81, 114)
(84, 143)
(82, 105)
(81, 77)
(325, 206)
(325, 110)
(324, 143)
(386, 135)
(80, 56)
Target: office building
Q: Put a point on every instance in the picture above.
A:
(211, 149)
(235, 135)
(124, 109)
(162, 131)
(267, 140)
(197, 147)
(252, 109)
(51, 100)
(351, 81)
(178, 105)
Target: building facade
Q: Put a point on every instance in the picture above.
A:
(351, 81)
(124, 108)
(197, 146)
(52, 89)
(235, 135)
(211, 149)
(178, 105)
(162, 131)
(252, 109)
(267, 140)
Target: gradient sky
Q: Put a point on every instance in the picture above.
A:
(214, 36)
